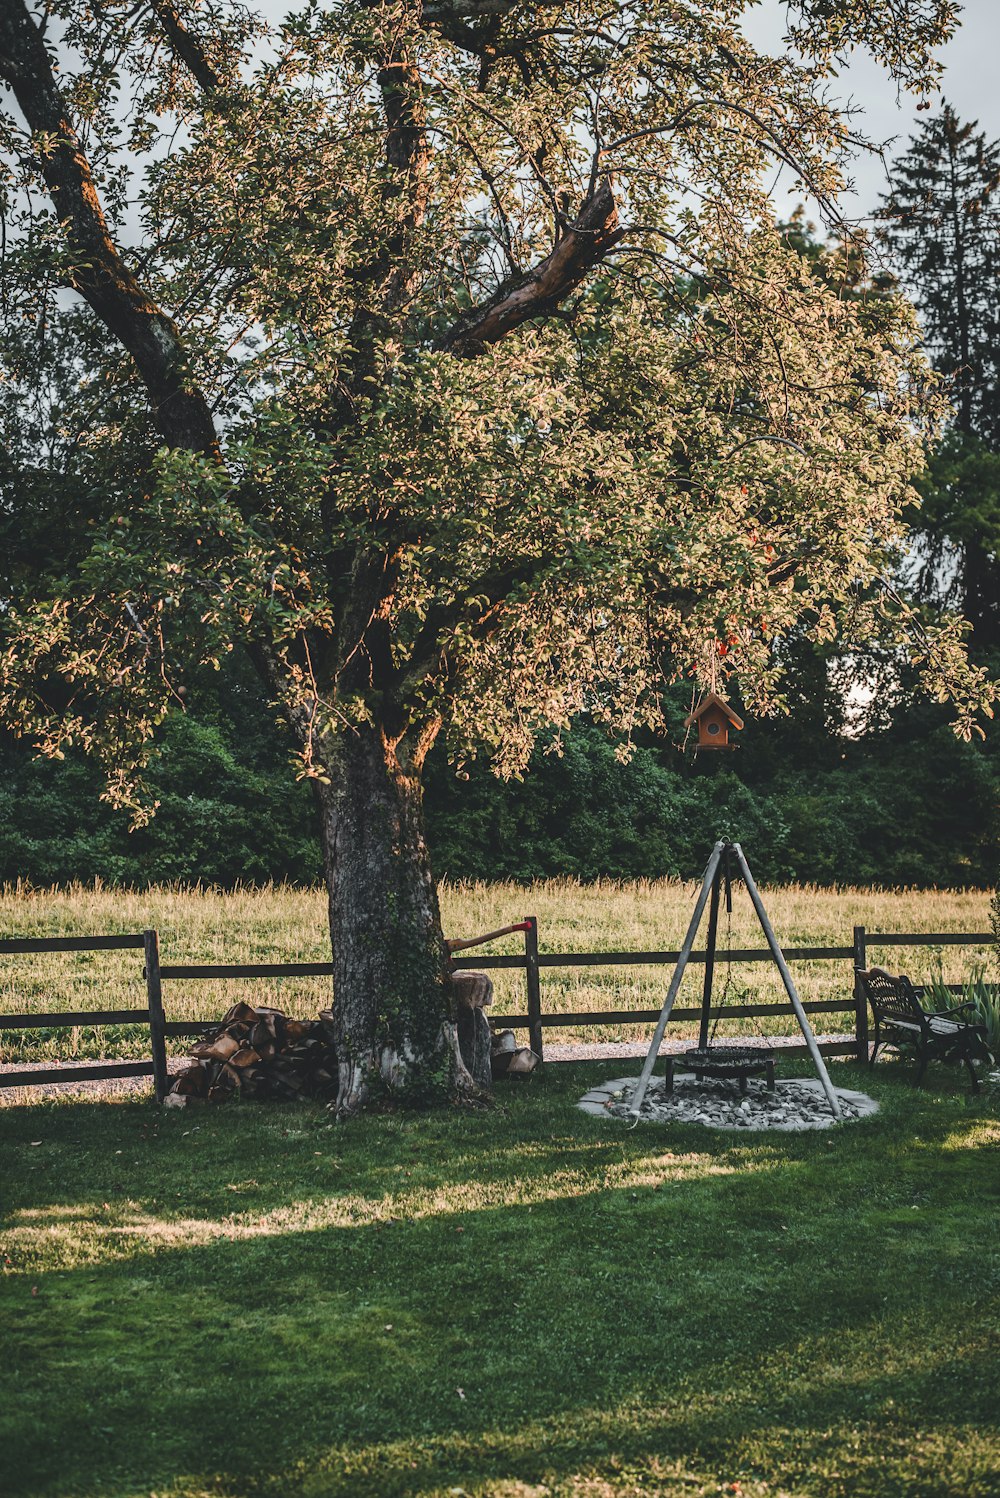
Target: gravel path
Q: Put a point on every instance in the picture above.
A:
(136, 1086)
(616, 1050)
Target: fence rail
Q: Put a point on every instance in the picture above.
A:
(61, 1019)
(247, 970)
(531, 961)
(662, 959)
(929, 939)
(14, 944)
(152, 1015)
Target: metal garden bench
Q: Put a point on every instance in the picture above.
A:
(901, 1020)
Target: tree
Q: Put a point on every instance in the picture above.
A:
(941, 220)
(457, 371)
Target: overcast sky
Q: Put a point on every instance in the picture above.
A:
(971, 85)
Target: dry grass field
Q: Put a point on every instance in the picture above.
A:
(282, 923)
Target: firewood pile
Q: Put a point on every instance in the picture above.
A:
(261, 1053)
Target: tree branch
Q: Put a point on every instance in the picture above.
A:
(185, 44)
(540, 291)
(101, 277)
(491, 591)
(407, 156)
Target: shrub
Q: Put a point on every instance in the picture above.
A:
(983, 997)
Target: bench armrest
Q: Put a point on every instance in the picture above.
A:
(969, 1009)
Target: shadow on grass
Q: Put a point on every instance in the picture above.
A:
(523, 1295)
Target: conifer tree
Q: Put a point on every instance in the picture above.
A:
(941, 221)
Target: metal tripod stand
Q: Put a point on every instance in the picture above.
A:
(718, 873)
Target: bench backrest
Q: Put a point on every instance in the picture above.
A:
(891, 997)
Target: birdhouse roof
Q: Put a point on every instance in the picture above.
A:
(710, 700)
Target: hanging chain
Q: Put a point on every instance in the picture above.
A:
(727, 875)
(758, 1027)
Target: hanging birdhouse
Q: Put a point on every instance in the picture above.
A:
(714, 718)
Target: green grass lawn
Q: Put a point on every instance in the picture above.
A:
(524, 1301)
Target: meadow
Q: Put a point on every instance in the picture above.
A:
(284, 923)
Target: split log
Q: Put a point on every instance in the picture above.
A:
(479, 1055)
(507, 1059)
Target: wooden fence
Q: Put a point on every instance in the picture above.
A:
(152, 1015)
(531, 961)
(857, 953)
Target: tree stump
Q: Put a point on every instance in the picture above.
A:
(472, 996)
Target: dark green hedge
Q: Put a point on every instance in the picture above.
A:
(885, 814)
(908, 805)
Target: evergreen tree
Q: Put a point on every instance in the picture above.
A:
(941, 221)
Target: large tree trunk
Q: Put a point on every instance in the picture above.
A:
(392, 991)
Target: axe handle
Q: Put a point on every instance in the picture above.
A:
(478, 941)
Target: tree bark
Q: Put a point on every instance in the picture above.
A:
(392, 992)
(102, 276)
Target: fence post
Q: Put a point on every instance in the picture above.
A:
(157, 1019)
(860, 1001)
(533, 985)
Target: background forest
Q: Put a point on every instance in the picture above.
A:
(863, 782)
(904, 803)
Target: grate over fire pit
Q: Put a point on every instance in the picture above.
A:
(740, 1061)
(728, 1060)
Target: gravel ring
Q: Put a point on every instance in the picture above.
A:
(795, 1105)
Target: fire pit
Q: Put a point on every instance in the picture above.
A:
(714, 1103)
(739, 1061)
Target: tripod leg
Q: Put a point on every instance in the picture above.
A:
(789, 983)
(675, 982)
(713, 928)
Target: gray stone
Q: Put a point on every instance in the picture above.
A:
(716, 1103)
